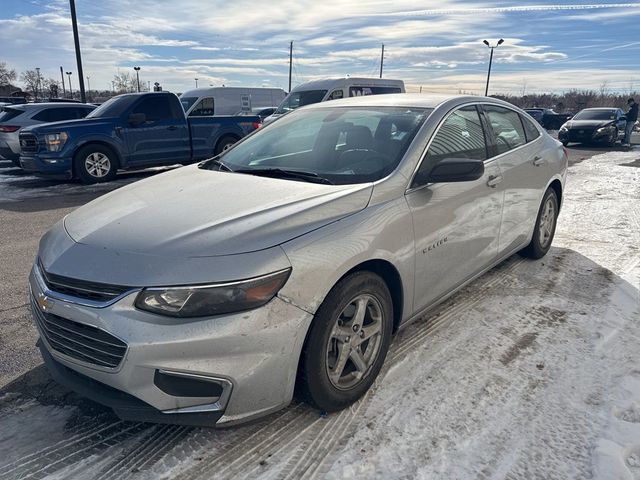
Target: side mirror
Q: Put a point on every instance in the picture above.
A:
(137, 119)
(456, 170)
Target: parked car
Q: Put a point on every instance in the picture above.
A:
(333, 89)
(207, 102)
(594, 125)
(129, 131)
(202, 295)
(15, 117)
(13, 100)
(548, 118)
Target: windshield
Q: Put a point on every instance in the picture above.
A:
(596, 115)
(342, 145)
(187, 102)
(300, 99)
(112, 107)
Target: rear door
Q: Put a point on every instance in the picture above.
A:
(164, 137)
(456, 225)
(518, 148)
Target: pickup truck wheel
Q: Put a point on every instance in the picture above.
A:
(225, 143)
(347, 342)
(95, 163)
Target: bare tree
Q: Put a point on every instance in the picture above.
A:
(7, 75)
(32, 81)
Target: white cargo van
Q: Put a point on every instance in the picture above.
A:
(334, 88)
(206, 102)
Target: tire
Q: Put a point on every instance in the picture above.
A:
(320, 382)
(613, 139)
(225, 143)
(95, 163)
(545, 227)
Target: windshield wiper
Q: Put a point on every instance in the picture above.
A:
(221, 165)
(283, 173)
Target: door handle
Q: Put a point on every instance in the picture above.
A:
(494, 180)
(537, 161)
(172, 127)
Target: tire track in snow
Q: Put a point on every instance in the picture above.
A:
(72, 452)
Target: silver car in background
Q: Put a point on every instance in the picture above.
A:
(207, 294)
(14, 118)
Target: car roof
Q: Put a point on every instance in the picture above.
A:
(34, 106)
(601, 108)
(417, 100)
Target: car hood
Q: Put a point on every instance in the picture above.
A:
(68, 125)
(589, 123)
(190, 212)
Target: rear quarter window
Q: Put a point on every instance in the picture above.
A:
(530, 130)
(9, 113)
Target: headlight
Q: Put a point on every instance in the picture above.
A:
(564, 128)
(215, 299)
(55, 141)
(608, 128)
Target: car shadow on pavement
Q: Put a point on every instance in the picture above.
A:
(563, 287)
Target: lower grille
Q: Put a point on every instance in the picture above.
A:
(28, 142)
(99, 292)
(76, 340)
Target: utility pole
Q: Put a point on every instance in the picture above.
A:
(64, 90)
(88, 87)
(290, 63)
(76, 40)
(381, 60)
(196, 82)
(486, 90)
(38, 83)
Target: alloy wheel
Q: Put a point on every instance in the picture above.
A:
(354, 343)
(547, 221)
(97, 164)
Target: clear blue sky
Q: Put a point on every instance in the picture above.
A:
(549, 46)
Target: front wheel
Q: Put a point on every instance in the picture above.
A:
(95, 163)
(613, 138)
(225, 143)
(348, 342)
(545, 227)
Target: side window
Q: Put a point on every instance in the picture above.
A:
(42, 116)
(507, 128)
(459, 136)
(83, 112)
(155, 108)
(359, 91)
(530, 129)
(383, 90)
(56, 115)
(204, 108)
(336, 94)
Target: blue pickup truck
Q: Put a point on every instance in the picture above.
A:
(128, 132)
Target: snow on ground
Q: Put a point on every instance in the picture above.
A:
(532, 371)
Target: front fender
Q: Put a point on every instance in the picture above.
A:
(112, 141)
(322, 257)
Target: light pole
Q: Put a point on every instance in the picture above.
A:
(70, 89)
(137, 69)
(196, 82)
(37, 82)
(486, 90)
(88, 88)
(76, 41)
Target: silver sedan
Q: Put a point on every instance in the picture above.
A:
(205, 295)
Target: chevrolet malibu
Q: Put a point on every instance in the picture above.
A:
(209, 294)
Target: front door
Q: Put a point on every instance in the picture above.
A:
(456, 225)
(162, 138)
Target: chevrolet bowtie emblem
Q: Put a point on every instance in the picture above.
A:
(44, 302)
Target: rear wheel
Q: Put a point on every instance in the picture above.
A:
(225, 143)
(348, 342)
(95, 163)
(545, 227)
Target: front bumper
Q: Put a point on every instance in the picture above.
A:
(50, 165)
(253, 355)
(583, 136)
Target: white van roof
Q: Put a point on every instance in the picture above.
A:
(330, 83)
(205, 91)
